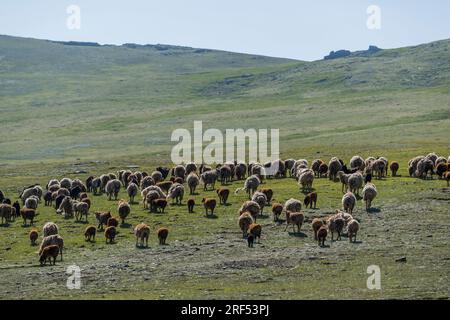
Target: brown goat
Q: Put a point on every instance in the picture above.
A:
(162, 235)
(310, 199)
(209, 204)
(223, 194)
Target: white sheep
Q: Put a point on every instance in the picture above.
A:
(369, 193)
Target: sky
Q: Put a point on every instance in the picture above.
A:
(304, 30)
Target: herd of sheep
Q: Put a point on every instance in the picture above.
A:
(70, 197)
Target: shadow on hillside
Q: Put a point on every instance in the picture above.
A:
(374, 210)
(211, 216)
(125, 225)
(297, 234)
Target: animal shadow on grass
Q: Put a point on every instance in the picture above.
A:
(82, 221)
(307, 192)
(297, 234)
(144, 247)
(374, 210)
(324, 246)
(263, 216)
(5, 225)
(211, 216)
(125, 225)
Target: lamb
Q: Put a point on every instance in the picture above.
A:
(162, 235)
(335, 224)
(96, 185)
(255, 230)
(66, 183)
(190, 205)
(250, 186)
(358, 163)
(322, 235)
(81, 209)
(316, 225)
(223, 194)
(52, 240)
(269, 194)
(102, 218)
(447, 178)
(310, 199)
(224, 174)
(277, 209)
(48, 253)
(424, 167)
(245, 220)
(240, 170)
(7, 212)
(124, 210)
(112, 188)
(343, 178)
(252, 207)
(250, 240)
(349, 202)
(353, 228)
(151, 196)
(176, 192)
(48, 199)
(32, 202)
(164, 171)
(369, 193)
(17, 208)
(27, 214)
(192, 182)
(208, 178)
(33, 235)
(209, 204)
(142, 232)
(315, 166)
(66, 207)
(179, 171)
(293, 205)
(355, 182)
(261, 199)
(159, 205)
(104, 178)
(394, 168)
(89, 233)
(112, 222)
(110, 234)
(156, 190)
(288, 165)
(334, 166)
(294, 218)
(147, 182)
(49, 229)
(306, 179)
(440, 169)
(191, 168)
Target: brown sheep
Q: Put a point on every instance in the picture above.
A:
(255, 230)
(447, 178)
(162, 235)
(277, 209)
(250, 240)
(142, 232)
(7, 212)
(54, 239)
(209, 204)
(335, 224)
(310, 199)
(322, 235)
(165, 185)
(245, 220)
(269, 194)
(33, 236)
(294, 218)
(159, 205)
(102, 218)
(394, 168)
(110, 234)
(88, 202)
(323, 170)
(223, 194)
(48, 253)
(112, 222)
(352, 229)
(89, 233)
(124, 210)
(441, 168)
(27, 214)
(190, 205)
(252, 207)
(316, 225)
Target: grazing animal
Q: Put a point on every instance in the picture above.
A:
(162, 235)
(132, 191)
(89, 187)
(357, 163)
(261, 199)
(32, 202)
(447, 178)
(223, 194)
(440, 169)
(112, 222)
(58, 200)
(190, 205)
(343, 178)
(96, 185)
(81, 209)
(323, 170)
(110, 234)
(255, 230)
(294, 218)
(352, 229)
(102, 218)
(159, 205)
(124, 210)
(349, 202)
(209, 204)
(148, 181)
(142, 233)
(7, 212)
(250, 240)
(192, 182)
(369, 193)
(293, 205)
(316, 225)
(251, 184)
(48, 253)
(310, 199)
(334, 166)
(2, 196)
(16, 206)
(112, 188)
(89, 233)
(240, 170)
(164, 171)
(277, 209)
(176, 193)
(33, 235)
(48, 199)
(151, 193)
(315, 166)
(394, 168)
(209, 178)
(355, 182)
(306, 179)
(322, 235)
(66, 207)
(252, 207)
(335, 224)
(27, 214)
(164, 186)
(245, 220)
(52, 240)
(49, 229)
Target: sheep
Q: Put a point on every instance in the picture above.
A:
(277, 209)
(179, 171)
(178, 180)
(147, 182)
(245, 220)
(96, 185)
(110, 234)
(52, 182)
(33, 235)
(288, 165)
(334, 166)
(89, 233)
(412, 165)
(223, 194)
(151, 196)
(225, 174)
(294, 218)
(209, 204)
(394, 168)
(240, 170)
(255, 230)
(258, 171)
(81, 209)
(52, 240)
(322, 235)
(315, 166)
(124, 210)
(54, 188)
(63, 191)
(278, 168)
(87, 201)
(208, 178)
(293, 205)
(102, 218)
(252, 207)
(27, 214)
(352, 229)
(48, 253)
(357, 162)
(132, 178)
(306, 179)
(164, 171)
(58, 200)
(343, 178)
(88, 183)
(48, 200)
(355, 182)
(176, 192)
(192, 182)
(142, 232)
(32, 202)
(78, 183)
(156, 191)
(316, 225)
(162, 235)
(7, 212)
(159, 205)
(16, 206)
(310, 198)
(447, 178)
(2, 196)
(369, 193)
(104, 178)
(112, 222)
(66, 208)
(250, 240)
(124, 180)
(190, 167)
(49, 229)
(336, 224)
(344, 215)
(132, 191)
(28, 192)
(112, 188)
(440, 169)
(261, 199)
(348, 202)
(424, 167)
(268, 193)
(190, 205)
(66, 183)
(251, 184)
(379, 167)
(432, 157)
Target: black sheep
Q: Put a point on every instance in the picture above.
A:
(164, 171)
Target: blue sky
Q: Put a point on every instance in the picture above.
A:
(305, 30)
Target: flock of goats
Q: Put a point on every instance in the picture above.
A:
(70, 196)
